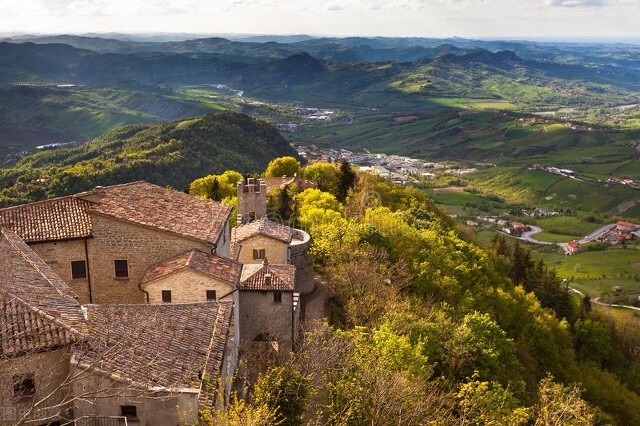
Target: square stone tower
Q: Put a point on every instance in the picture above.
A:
(252, 200)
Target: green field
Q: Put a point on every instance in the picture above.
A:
(537, 188)
(563, 228)
(615, 263)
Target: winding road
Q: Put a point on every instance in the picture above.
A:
(528, 235)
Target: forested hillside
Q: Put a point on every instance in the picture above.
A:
(427, 327)
(166, 154)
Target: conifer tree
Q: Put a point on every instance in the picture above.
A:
(346, 179)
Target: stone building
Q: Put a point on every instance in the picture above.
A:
(40, 322)
(269, 308)
(152, 371)
(102, 242)
(252, 200)
(257, 237)
(61, 361)
(152, 271)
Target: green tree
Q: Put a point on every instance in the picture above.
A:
(561, 405)
(592, 340)
(324, 174)
(284, 391)
(226, 186)
(214, 194)
(283, 166)
(315, 206)
(488, 403)
(346, 180)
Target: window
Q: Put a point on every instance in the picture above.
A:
(211, 295)
(129, 411)
(122, 268)
(259, 254)
(166, 296)
(277, 297)
(24, 385)
(78, 269)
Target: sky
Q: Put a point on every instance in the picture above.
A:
(425, 18)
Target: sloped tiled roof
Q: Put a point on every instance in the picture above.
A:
(279, 182)
(235, 250)
(38, 311)
(266, 276)
(151, 205)
(626, 224)
(141, 203)
(168, 345)
(50, 220)
(212, 265)
(263, 227)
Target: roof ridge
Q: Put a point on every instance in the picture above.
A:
(261, 266)
(38, 269)
(43, 313)
(189, 261)
(48, 200)
(222, 310)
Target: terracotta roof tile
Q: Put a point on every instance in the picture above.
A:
(50, 220)
(157, 207)
(212, 265)
(235, 250)
(38, 311)
(262, 227)
(266, 276)
(279, 182)
(169, 345)
(138, 202)
(626, 224)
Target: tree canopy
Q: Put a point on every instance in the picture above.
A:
(283, 166)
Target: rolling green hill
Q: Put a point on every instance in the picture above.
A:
(478, 79)
(118, 88)
(166, 154)
(479, 136)
(31, 116)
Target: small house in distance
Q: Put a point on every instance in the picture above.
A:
(517, 228)
(571, 247)
(625, 227)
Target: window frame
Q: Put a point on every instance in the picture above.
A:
(20, 391)
(259, 254)
(130, 412)
(164, 294)
(277, 297)
(208, 293)
(117, 272)
(74, 274)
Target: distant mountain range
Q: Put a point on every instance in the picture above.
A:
(366, 49)
(278, 71)
(72, 88)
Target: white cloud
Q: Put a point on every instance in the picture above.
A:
(577, 3)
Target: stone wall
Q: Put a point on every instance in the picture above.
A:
(277, 252)
(188, 286)
(259, 314)
(59, 255)
(106, 396)
(49, 369)
(302, 260)
(252, 200)
(140, 246)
